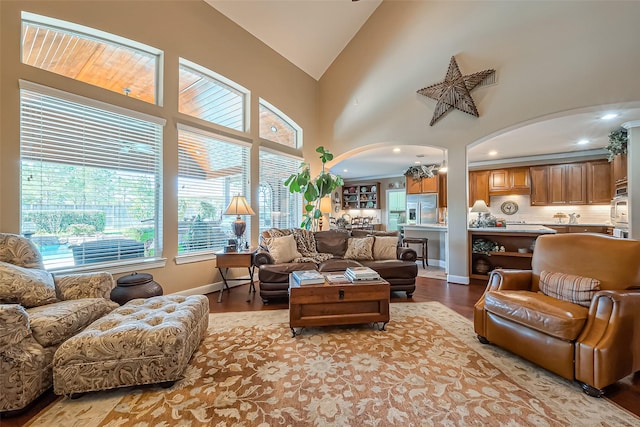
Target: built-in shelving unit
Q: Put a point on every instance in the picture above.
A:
(360, 195)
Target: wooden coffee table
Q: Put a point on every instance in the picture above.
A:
(338, 304)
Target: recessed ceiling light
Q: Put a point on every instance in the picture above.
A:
(493, 152)
(609, 116)
(396, 150)
(583, 142)
(274, 129)
(417, 162)
(345, 170)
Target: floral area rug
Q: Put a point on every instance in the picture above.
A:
(427, 369)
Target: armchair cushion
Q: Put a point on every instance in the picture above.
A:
(282, 249)
(560, 319)
(14, 324)
(359, 248)
(84, 285)
(53, 323)
(568, 287)
(29, 287)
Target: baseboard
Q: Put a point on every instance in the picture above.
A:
(213, 287)
(462, 280)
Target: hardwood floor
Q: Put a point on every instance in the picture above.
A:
(459, 298)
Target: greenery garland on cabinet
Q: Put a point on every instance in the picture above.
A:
(617, 143)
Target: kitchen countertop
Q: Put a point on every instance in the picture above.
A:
(426, 227)
(518, 228)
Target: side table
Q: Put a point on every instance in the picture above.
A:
(227, 260)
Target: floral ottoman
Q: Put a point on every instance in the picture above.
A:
(145, 341)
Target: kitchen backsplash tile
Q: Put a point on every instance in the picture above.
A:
(589, 214)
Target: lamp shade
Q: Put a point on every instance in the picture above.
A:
(239, 206)
(325, 205)
(480, 207)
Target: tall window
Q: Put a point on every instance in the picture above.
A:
(91, 56)
(211, 170)
(278, 207)
(208, 96)
(90, 179)
(277, 127)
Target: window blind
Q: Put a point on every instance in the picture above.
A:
(90, 181)
(278, 207)
(211, 170)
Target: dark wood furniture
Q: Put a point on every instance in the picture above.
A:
(227, 260)
(423, 255)
(338, 304)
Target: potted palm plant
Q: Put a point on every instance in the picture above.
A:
(313, 189)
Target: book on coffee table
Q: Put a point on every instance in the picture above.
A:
(337, 279)
(307, 277)
(361, 273)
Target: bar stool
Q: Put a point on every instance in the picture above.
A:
(424, 254)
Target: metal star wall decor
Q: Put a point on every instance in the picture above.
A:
(454, 91)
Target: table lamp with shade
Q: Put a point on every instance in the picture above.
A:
(239, 206)
(325, 208)
(481, 208)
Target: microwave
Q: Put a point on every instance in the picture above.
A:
(620, 212)
(621, 191)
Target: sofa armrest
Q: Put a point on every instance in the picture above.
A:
(608, 348)
(84, 285)
(14, 324)
(262, 258)
(406, 254)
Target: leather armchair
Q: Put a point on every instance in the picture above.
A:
(596, 345)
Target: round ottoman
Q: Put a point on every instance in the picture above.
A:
(142, 342)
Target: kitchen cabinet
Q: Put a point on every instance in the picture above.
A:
(571, 184)
(424, 185)
(360, 195)
(619, 170)
(539, 185)
(599, 182)
(479, 187)
(577, 228)
(442, 190)
(509, 181)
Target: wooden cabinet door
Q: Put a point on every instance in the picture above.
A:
(478, 187)
(520, 179)
(442, 190)
(620, 169)
(413, 186)
(429, 185)
(499, 181)
(599, 183)
(539, 185)
(576, 184)
(557, 194)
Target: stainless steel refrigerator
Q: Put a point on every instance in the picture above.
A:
(422, 208)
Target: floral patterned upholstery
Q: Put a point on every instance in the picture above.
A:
(145, 341)
(29, 337)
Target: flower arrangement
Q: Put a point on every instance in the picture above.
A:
(617, 143)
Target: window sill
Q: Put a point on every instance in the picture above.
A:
(189, 258)
(122, 266)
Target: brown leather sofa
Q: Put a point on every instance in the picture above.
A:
(274, 277)
(596, 344)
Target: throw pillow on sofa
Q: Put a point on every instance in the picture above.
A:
(282, 249)
(568, 287)
(385, 247)
(360, 249)
(29, 287)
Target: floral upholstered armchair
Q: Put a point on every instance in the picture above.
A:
(37, 313)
